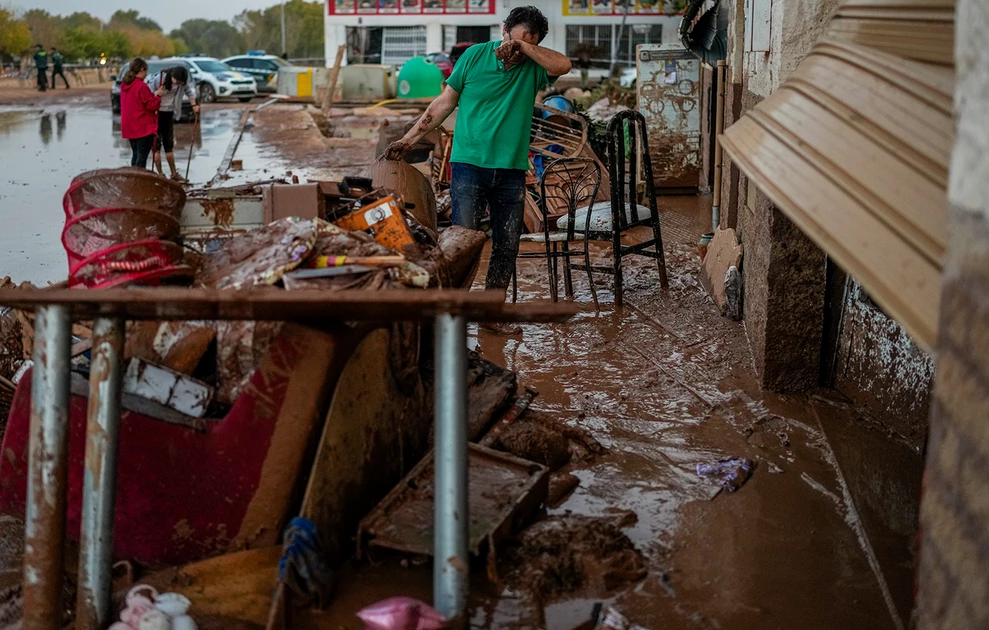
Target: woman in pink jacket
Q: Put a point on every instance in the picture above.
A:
(139, 112)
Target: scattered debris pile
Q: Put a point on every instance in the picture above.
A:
(209, 407)
(567, 554)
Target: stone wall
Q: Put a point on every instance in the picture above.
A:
(954, 560)
(784, 273)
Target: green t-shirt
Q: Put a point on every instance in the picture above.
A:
(495, 110)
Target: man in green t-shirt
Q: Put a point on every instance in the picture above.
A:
(495, 85)
(41, 63)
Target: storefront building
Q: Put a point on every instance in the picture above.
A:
(392, 31)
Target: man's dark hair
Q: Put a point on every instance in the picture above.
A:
(531, 18)
(39, 46)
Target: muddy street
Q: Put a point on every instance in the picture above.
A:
(636, 406)
(665, 384)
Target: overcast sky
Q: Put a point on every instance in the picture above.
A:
(169, 13)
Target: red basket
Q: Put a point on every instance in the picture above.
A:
(128, 187)
(128, 262)
(87, 234)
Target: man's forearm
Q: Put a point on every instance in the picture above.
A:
(433, 117)
(555, 64)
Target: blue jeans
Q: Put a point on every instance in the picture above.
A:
(473, 190)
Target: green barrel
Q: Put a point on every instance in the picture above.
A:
(419, 79)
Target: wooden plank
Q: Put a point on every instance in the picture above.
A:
(369, 419)
(532, 216)
(272, 304)
(332, 85)
(231, 148)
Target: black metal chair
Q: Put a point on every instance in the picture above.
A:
(607, 222)
(570, 184)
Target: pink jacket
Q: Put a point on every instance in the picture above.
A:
(138, 110)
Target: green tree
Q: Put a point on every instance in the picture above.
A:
(15, 35)
(80, 43)
(81, 19)
(46, 29)
(211, 37)
(114, 44)
(122, 19)
(147, 43)
(303, 28)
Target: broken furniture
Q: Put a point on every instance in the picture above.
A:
(503, 491)
(556, 133)
(47, 468)
(609, 221)
(568, 183)
(184, 494)
(121, 226)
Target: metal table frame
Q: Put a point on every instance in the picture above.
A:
(110, 309)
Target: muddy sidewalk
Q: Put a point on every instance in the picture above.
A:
(665, 384)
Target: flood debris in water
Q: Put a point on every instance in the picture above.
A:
(541, 439)
(731, 473)
(567, 554)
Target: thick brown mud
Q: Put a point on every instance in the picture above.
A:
(664, 384)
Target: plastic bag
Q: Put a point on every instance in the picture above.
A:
(401, 613)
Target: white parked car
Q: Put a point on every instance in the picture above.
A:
(215, 79)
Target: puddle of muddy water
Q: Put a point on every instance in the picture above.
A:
(41, 150)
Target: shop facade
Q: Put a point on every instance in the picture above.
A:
(392, 31)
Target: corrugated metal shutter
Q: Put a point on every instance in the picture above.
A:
(854, 147)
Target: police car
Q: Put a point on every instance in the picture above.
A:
(260, 65)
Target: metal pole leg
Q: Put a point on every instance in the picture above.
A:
(44, 531)
(450, 562)
(100, 476)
